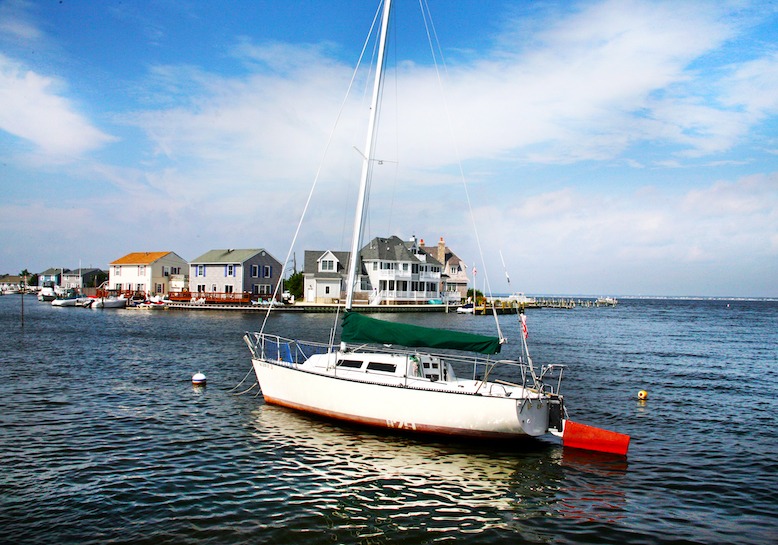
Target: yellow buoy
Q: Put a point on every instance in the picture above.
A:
(642, 394)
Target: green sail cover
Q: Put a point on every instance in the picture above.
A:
(358, 328)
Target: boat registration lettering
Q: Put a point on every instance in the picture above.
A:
(397, 425)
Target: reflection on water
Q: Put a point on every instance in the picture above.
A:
(374, 485)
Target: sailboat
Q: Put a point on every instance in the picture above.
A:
(385, 374)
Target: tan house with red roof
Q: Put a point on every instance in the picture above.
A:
(148, 273)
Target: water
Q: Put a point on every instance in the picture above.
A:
(103, 438)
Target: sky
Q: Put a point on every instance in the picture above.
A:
(617, 147)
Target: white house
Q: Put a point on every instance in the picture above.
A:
(146, 273)
(401, 272)
(324, 276)
(391, 272)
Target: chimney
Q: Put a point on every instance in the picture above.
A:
(442, 251)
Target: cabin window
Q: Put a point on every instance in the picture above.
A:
(352, 364)
(385, 367)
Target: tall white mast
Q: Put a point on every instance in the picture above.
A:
(367, 161)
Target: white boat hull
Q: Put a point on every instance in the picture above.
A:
(400, 406)
(110, 302)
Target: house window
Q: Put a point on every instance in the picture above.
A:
(200, 270)
(175, 270)
(268, 272)
(117, 271)
(266, 289)
(255, 271)
(200, 288)
(327, 265)
(165, 271)
(213, 288)
(327, 290)
(141, 270)
(405, 267)
(230, 271)
(159, 288)
(228, 289)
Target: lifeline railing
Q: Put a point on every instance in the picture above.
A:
(293, 352)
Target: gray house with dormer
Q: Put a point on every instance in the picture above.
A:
(324, 276)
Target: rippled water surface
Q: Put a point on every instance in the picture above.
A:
(103, 438)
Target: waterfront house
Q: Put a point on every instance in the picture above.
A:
(454, 271)
(324, 276)
(391, 271)
(145, 273)
(400, 272)
(10, 283)
(51, 277)
(234, 275)
(78, 279)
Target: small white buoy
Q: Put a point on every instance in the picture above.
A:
(198, 379)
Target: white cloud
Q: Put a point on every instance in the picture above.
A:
(32, 108)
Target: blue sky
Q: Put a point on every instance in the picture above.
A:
(616, 147)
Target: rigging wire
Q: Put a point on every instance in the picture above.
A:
(318, 171)
(431, 33)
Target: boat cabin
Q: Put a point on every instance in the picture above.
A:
(423, 366)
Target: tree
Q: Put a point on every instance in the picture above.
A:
(25, 274)
(294, 284)
(479, 296)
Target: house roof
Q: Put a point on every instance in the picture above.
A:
(451, 257)
(230, 256)
(140, 258)
(54, 270)
(81, 272)
(392, 249)
(312, 257)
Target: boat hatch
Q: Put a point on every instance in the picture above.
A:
(383, 367)
(350, 364)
